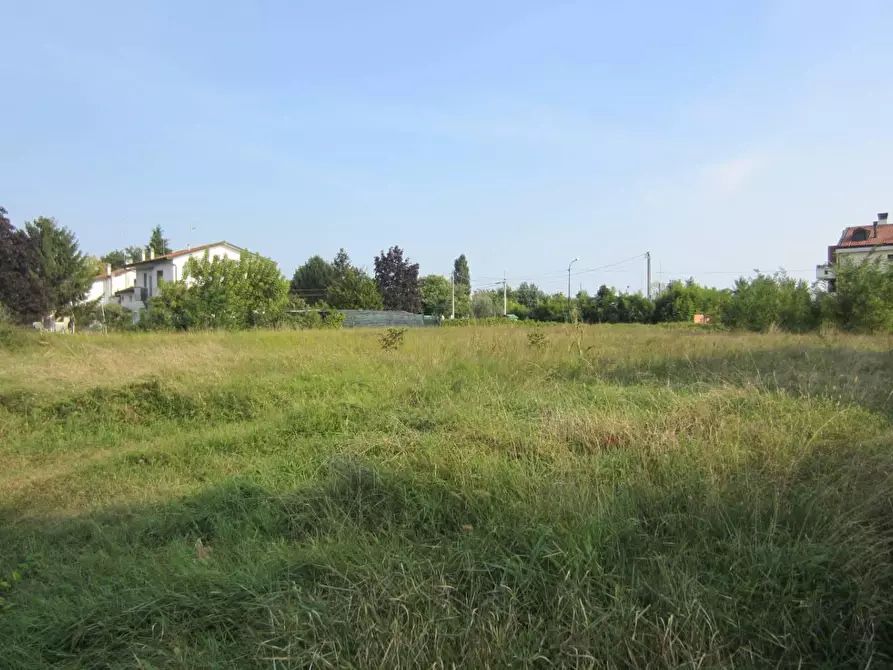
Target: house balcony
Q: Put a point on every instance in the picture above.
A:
(825, 272)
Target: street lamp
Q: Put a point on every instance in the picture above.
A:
(569, 287)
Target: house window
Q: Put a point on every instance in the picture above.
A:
(860, 235)
(890, 257)
(159, 277)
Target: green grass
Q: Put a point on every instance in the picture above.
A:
(599, 497)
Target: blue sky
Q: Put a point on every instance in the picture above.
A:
(721, 136)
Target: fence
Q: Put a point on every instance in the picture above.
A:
(368, 318)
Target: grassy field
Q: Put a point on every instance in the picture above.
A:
(593, 497)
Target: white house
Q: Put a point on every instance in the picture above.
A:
(106, 285)
(858, 244)
(133, 285)
(149, 273)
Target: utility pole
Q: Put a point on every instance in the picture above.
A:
(505, 302)
(453, 286)
(648, 274)
(569, 287)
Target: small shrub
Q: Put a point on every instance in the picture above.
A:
(392, 339)
(315, 319)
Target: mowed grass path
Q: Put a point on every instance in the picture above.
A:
(611, 497)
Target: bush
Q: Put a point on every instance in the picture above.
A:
(863, 301)
(772, 301)
(491, 321)
(315, 319)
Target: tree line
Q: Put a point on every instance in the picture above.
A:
(43, 272)
(862, 302)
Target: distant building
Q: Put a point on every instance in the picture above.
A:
(857, 245)
(702, 319)
(133, 285)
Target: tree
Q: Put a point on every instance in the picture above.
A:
(437, 295)
(863, 300)
(551, 308)
(354, 290)
(528, 295)
(461, 272)
(134, 253)
(159, 243)
(116, 258)
(312, 279)
(634, 308)
(21, 293)
(221, 293)
(341, 263)
(675, 303)
(97, 267)
(483, 305)
(62, 270)
(398, 281)
(351, 287)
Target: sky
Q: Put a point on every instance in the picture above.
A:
(723, 137)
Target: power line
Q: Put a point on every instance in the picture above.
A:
(561, 275)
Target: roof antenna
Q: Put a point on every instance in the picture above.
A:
(191, 233)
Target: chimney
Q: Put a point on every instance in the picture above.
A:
(108, 269)
(151, 253)
(874, 226)
(143, 254)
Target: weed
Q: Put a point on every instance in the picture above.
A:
(392, 339)
(537, 339)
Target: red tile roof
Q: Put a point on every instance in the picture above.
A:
(884, 236)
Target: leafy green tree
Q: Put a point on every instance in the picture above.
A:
(398, 281)
(134, 253)
(519, 310)
(311, 280)
(63, 271)
(341, 263)
(354, 290)
(221, 293)
(461, 271)
(159, 243)
(21, 293)
(634, 308)
(437, 295)
(675, 303)
(550, 308)
(483, 305)
(351, 287)
(97, 267)
(462, 276)
(116, 258)
(605, 304)
(863, 300)
(174, 308)
(528, 295)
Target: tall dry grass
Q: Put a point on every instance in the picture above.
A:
(602, 497)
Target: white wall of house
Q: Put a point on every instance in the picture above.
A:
(858, 255)
(104, 287)
(129, 301)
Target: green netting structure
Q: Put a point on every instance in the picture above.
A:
(371, 318)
